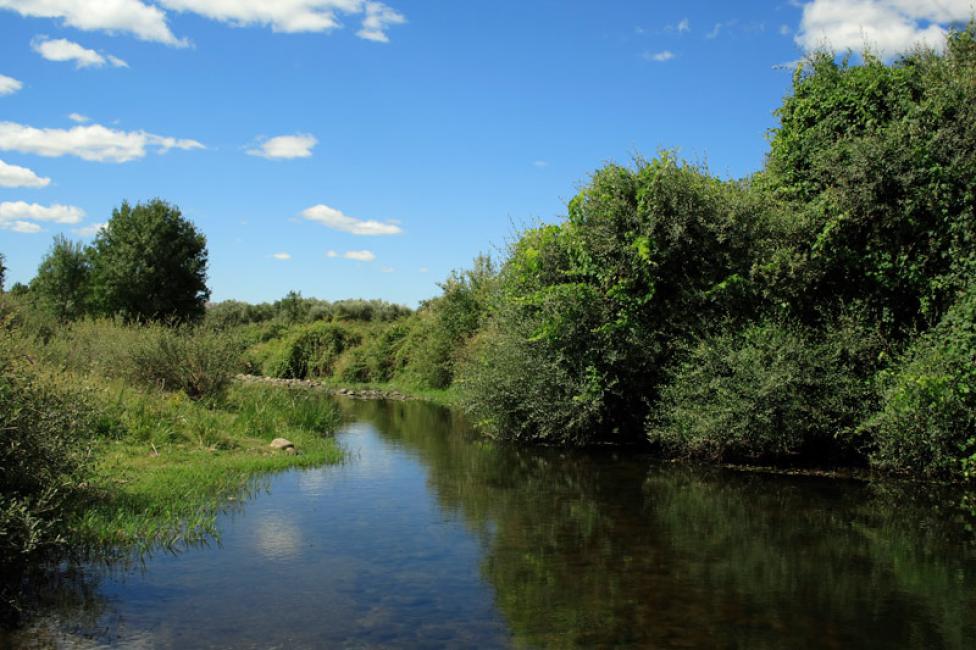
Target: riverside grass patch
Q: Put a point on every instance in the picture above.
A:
(169, 464)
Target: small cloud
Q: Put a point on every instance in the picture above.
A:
(78, 118)
(90, 230)
(9, 85)
(61, 49)
(284, 147)
(281, 256)
(540, 163)
(660, 57)
(423, 269)
(16, 176)
(387, 269)
(784, 30)
(335, 219)
(715, 31)
(683, 26)
(379, 17)
(21, 226)
(359, 256)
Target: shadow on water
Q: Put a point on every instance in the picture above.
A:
(431, 535)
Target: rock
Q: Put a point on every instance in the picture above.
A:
(282, 443)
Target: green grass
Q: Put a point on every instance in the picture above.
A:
(166, 465)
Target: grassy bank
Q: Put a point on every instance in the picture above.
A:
(177, 462)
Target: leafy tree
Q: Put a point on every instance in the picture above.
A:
(3, 271)
(62, 284)
(150, 263)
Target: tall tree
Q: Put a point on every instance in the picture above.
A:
(150, 263)
(3, 271)
(62, 281)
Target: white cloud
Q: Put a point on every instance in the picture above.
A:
(92, 142)
(61, 49)
(295, 15)
(423, 269)
(90, 230)
(9, 85)
(144, 21)
(379, 17)
(886, 27)
(338, 221)
(285, 146)
(359, 256)
(16, 176)
(387, 269)
(281, 256)
(660, 57)
(78, 118)
(20, 226)
(684, 26)
(20, 216)
(715, 31)
(540, 163)
(784, 30)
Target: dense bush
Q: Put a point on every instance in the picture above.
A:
(927, 423)
(648, 257)
(44, 457)
(294, 309)
(768, 392)
(306, 351)
(877, 166)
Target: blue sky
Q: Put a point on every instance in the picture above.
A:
(349, 148)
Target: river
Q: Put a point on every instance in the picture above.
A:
(431, 537)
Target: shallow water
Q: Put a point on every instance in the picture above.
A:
(430, 537)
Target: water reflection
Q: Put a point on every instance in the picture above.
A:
(430, 536)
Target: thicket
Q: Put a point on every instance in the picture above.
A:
(819, 311)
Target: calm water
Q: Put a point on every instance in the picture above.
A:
(429, 537)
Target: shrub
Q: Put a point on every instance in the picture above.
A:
(306, 351)
(44, 457)
(927, 423)
(770, 392)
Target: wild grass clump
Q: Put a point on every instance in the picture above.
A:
(195, 360)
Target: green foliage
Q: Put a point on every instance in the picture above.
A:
(768, 392)
(3, 271)
(927, 423)
(877, 167)
(62, 284)
(150, 263)
(44, 456)
(648, 257)
(305, 351)
(438, 332)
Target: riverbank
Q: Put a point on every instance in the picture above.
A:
(174, 463)
(366, 391)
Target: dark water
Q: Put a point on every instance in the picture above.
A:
(429, 537)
